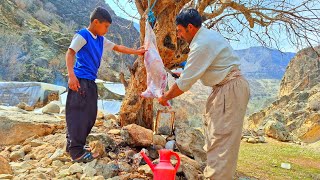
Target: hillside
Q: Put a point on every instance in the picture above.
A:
(36, 33)
(295, 115)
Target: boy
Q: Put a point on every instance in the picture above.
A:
(87, 46)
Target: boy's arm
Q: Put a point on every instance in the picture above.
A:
(126, 50)
(73, 82)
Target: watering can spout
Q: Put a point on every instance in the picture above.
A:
(145, 157)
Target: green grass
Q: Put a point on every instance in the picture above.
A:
(263, 161)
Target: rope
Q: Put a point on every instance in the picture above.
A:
(151, 16)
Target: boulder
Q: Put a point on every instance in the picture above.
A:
(136, 135)
(5, 166)
(52, 107)
(190, 142)
(17, 127)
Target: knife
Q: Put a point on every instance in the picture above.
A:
(170, 72)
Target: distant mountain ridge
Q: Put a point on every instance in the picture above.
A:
(264, 63)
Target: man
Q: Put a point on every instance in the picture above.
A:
(212, 60)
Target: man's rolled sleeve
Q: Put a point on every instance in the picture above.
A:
(199, 59)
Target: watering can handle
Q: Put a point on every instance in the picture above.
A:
(178, 158)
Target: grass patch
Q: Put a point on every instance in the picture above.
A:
(263, 161)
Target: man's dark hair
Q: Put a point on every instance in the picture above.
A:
(189, 16)
(101, 14)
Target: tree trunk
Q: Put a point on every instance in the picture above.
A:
(134, 108)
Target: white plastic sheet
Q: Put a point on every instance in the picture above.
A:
(12, 93)
(109, 106)
(116, 88)
(156, 75)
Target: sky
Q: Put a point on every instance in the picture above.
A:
(243, 44)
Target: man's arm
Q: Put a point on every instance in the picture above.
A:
(73, 82)
(173, 92)
(126, 50)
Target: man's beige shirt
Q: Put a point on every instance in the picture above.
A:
(210, 59)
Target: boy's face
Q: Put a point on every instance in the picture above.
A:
(101, 28)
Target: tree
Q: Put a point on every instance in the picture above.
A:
(265, 21)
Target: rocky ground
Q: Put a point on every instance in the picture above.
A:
(33, 147)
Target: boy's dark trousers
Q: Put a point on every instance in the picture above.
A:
(81, 113)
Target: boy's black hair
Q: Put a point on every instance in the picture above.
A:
(101, 14)
(189, 16)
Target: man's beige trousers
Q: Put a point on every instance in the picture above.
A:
(225, 111)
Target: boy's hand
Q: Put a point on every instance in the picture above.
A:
(141, 51)
(73, 83)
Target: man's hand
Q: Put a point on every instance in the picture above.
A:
(163, 101)
(73, 83)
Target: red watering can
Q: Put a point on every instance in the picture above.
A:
(164, 170)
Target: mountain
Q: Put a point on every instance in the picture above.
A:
(263, 67)
(35, 35)
(264, 63)
(295, 114)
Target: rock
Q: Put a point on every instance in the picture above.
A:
(314, 102)
(52, 107)
(252, 140)
(97, 147)
(153, 153)
(129, 154)
(21, 167)
(15, 148)
(57, 163)
(6, 176)
(105, 139)
(75, 168)
(22, 105)
(170, 145)
(100, 115)
(108, 170)
(63, 173)
(36, 143)
(43, 151)
(159, 140)
(98, 178)
(145, 169)
(109, 124)
(170, 138)
(277, 130)
(190, 142)
(19, 127)
(89, 171)
(136, 135)
(29, 157)
(110, 116)
(114, 131)
(29, 108)
(56, 154)
(5, 166)
(16, 155)
(123, 166)
(190, 167)
(112, 155)
(261, 139)
(45, 162)
(27, 148)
